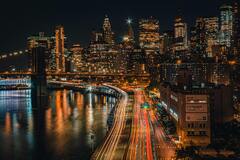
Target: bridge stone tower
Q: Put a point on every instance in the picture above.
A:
(38, 78)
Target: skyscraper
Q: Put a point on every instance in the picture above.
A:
(212, 28)
(166, 42)
(128, 38)
(149, 41)
(180, 35)
(130, 31)
(107, 31)
(236, 28)
(149, 37)
(204, 36)
(226, 28)
(77, 58)
(198, 37)
(136, 62)
(101, 55)
(59, 49)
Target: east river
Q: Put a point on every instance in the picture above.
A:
(71, 127)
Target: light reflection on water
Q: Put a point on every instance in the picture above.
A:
(72, 126)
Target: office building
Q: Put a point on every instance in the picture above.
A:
(78, 64)
(198, 109)
(212, 31)
(200, 71)
(180, 35)
(236, 28)
(190, 112)
(226, 25)
(102, 56)
(108, 35)
(149, 41)
(220, 73)
(166, 42)
(198, 38)
(137, 62)
(59, 49)
(204, 36)
(149, 37)
(128, 38)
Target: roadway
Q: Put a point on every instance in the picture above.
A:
(140, 145)
(148, 139)
(164, 147)
(83, 74)
(107, 150)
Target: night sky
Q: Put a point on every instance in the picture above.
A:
(22, 18)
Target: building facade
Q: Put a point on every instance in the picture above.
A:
(166, 42)
(180, 35)
(199, 109)
(212, 31)
(236, 28)
(226, 25)
(149, 38)
(108, 35)
(191, 113)
(59, 49)
(78, 64)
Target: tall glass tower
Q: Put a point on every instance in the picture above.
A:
(226, 28)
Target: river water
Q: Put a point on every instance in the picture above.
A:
(72, 126)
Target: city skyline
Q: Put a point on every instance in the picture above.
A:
(122, 80)
(80, 22)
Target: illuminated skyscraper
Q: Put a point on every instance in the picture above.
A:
(130, 31)
(97, 37)
(107, 31)
(101, 55)
(137, 62)
(149, 37)
(97, 44)
(198, 37)
(77, 58)
(212, 29)
(149, 41)
(226, 28)
(236, 28)
(59, 49)
(128, 39)
(204, 36)
(166, 42)
(180, 35)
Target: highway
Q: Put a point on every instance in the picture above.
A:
(140, 146)
(148, 139)
(164, 147)
(107, 150)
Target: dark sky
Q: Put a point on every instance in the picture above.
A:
(22, 18)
